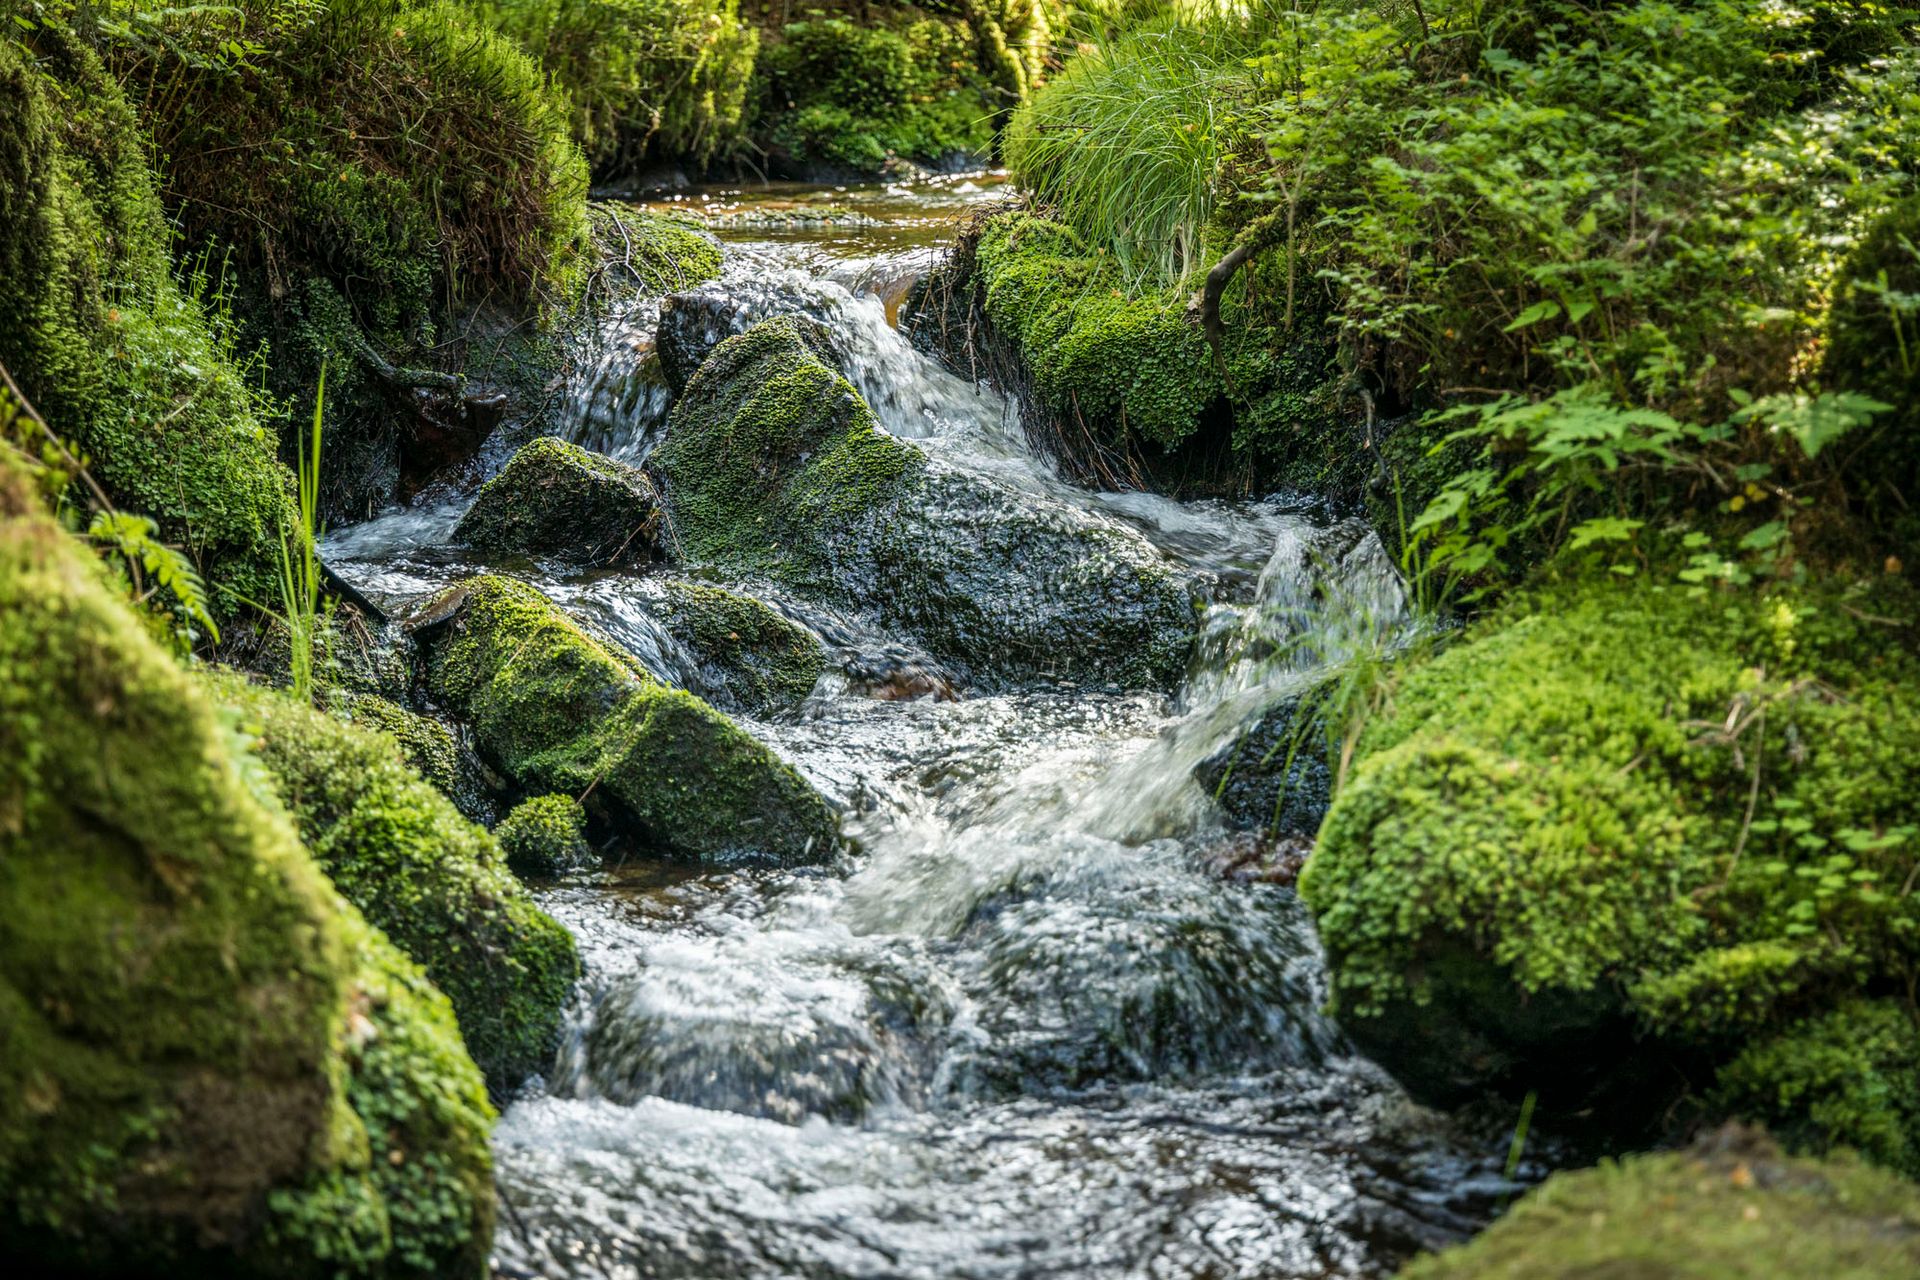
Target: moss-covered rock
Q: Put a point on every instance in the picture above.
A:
(1732, 1208)
(775, 467)
(135, 369)
(555, 710)
(758, 658)
(557, 499)
(1621, 811)
(1274, 776)
(545, 836)
(433, 882)
(209, 1064)
(429, 747)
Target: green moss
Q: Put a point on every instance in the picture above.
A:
(1847, 1078)
(667, 254)
(432, 881)
(211, 1064)
(133, 368)
(769, 445)
(1621, 806)
(1728, 1210)
(555, 498)
(556, 710)
(765, 661)
(426, 745)
(544, 836)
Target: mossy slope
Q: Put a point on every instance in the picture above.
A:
(208, 1062)
(97, 331)
(432, 881)
(1622, 810)
(1730, 1209)
(557, 711)
(775, 467)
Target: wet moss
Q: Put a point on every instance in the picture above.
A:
(557, 499)
(430, 880)
(137, 370)
(1727, 1210)
(1619, 809)
(545, 836)
(558, 711)
(210, 1063)
(764, 661)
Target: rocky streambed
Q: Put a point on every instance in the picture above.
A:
(1030, 1015)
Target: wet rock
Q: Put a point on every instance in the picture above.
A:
(1275, 776)
(557, 499)
(210, 1064)
(433, 882)
(433, 750)
(1731, 1205)
(556, 710)
(692, 324)
(749, 652)
(775, 467)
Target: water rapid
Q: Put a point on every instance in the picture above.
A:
(1027, 1025)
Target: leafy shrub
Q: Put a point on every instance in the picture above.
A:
(659, 78)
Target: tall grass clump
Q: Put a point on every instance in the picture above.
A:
(300, 562)
(1127, 143)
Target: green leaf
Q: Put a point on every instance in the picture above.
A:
(1534, 314)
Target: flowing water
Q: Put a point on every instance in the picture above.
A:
(1027, 1026)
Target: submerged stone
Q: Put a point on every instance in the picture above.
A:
(554, 709)
(557, 499)
(1731, 1206)
(210, 1064)
(775, 467)
(433, 882)
(1274, 777)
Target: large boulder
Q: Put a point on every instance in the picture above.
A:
(1620, 831)
(557, 499)
(432, 881)
(775, 467)
(1730, 1208)
(556, 710)
(209, 1063)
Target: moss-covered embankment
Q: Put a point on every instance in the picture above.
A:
(210, 1063)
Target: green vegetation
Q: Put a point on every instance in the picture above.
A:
(188, 1004)
(1619, 808)
(1730, 1209)
(136, 366)
(647, 79)
(557, 499)
(545, 836)
(430, 880)
(556, 711)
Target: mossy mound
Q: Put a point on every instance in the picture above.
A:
(1732, 1208)
(137, 370)
(545, 836)
(762, 660)
(432, 881)
(1621, 810)
(775, 468)
(429, 747)
(210, 1063)
(557, 499)
(555, 710)
(1121, 387)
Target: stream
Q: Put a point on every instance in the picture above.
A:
(1027, 1026)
